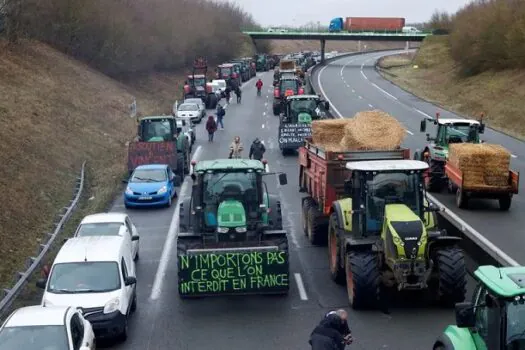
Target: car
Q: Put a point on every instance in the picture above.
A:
(187, 131)
(150, 185)
(47, 328)
(201, 105)
(110, 224)
(97, 274)
(220, 85)
(188, 111)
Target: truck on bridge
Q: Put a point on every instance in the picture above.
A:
(382, 232)
(366, 24)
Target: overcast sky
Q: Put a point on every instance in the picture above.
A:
(299, 12)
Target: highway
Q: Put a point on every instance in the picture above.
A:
(351, 84)
(164, 321)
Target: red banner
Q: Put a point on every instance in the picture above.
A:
(140, 153)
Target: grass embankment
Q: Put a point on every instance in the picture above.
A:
(438, 78)
(285, 46)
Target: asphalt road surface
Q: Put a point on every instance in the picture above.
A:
(352, 84)
(164, 321)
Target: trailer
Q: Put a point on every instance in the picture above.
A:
(503, 194)
(322, 175)
(367, 24)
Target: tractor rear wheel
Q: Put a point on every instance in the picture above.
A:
(337, 270)
(434, 181)
(307, 203)
(276, 110)
(452, 276)
(504, 203)
(317, 227)
(362, 280)
(461, 199)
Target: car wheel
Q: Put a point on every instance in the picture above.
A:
(169, 202)
(124, 334)
(134, 303)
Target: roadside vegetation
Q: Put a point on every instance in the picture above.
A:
(69, 70)
(478, 67)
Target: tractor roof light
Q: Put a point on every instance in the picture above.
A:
(193, 162)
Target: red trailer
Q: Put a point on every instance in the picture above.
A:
(322, 175)
(374, 24)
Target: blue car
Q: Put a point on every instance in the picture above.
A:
(150, 185)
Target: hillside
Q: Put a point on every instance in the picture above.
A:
(499, 94)
(283, 46)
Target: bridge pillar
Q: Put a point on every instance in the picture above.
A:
(323, 45)
(407, 45)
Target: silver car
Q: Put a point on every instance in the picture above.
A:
(201, 105)
(188, 111)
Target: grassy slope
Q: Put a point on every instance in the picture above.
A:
(284, 46)
(500, 95)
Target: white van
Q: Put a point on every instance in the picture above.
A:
(97, 274)
(410, 30)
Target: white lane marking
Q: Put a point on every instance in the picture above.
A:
(266, 103)
(171, 237)
(513, 156)
(463, 226)
(423, 113)
(360, 97)
(369, 105)
(364, 76)
(410, 132)
(353, 91)
(324, 93)
(385, 92)
(300, 286)
(262, 126)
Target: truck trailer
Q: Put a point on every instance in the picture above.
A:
(366, 24)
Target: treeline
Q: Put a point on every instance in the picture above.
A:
(122, 37)
(486, 35)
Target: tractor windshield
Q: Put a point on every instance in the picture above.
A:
(459, 133)
(220, 186)
(303, 106)
(516, 324)
(157, 130)
(289, 85)
(198, 81)
(390, 188)
(226, 70)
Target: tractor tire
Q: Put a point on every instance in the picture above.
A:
(435, 181)
(362, 280)
(317, 227)
(452, 276)
(212, 101)
(505, 202)
(337, 270)
(308, 202)
(461, 199)
(276, 110)
(275, 216)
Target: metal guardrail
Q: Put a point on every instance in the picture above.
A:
(484, 251)
(33, 262)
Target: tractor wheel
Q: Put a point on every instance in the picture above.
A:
(504, 203)
(275, 216)
(212, 101)
(276, 110)
(337, 270)
(452, 276)
(307, 203)
(434, 182)
(362, 280)
(317, 227)
(461, 199)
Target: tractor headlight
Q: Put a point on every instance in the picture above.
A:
(223, 229)
(398, 241)
(240, 229)
(162, 190)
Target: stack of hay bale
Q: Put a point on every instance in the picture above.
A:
(482, 164)
(369, 130)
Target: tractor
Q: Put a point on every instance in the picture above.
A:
(244, 68)
(261, 63)
(384, 238)
(495, 318)
(197, 87)
(285, 87)
(227, 72)
(436, 152)
(232, 228)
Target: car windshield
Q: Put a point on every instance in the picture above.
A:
(388, 188)
(196, 101)
(148, 175)
(99, 229)
(34, 338)
(198, 81)
(220, 84)
(84, 277)
(459, 132)
(226, 71)
(188, 107)
(156, 130)
(289, 85)
(515, 323)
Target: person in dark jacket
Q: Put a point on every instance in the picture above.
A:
(332, 333)
(211, 127)
(257, 150)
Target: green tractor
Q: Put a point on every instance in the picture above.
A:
(495, 318)
(385, 236)
(231, 239)
(436, 152)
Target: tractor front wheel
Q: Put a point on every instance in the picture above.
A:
(307, 203)
(362, 280)
(452, 276)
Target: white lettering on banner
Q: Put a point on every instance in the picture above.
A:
(294, 133)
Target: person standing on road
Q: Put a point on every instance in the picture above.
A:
(257, 150)
(220, 115)
(236, 148)
(238, 93)
(259, 85)
(332, 333)
(211, 127)
(227, 93)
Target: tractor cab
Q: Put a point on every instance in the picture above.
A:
(495, 317)
(195, 85)
(227, 72)
(230, 199)
(156, 129)
(388, 194)
(288, 87)
(304, 109)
